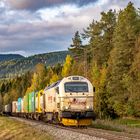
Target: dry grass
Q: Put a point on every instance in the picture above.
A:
(13, 130)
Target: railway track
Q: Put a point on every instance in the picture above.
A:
(69, 133)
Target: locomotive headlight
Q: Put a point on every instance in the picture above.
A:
(88, 107)
(65, 107)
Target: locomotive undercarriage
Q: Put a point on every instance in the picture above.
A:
(65, 118)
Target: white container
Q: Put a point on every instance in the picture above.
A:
(14, 107)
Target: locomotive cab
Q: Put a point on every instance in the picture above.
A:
(76, 100)
(70, 101)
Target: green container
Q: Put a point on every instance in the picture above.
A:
(25, 104)
(31, 97)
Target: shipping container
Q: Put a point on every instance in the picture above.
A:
(8, 108)
(37, 108)
(25, 104)
(14, 107)
(32, 98)
(39, 104)
(20, 105)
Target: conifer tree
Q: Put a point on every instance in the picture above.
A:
(76, 47)
(100, 37)
(76, 40)
(1, 102)
(133, 85)
(122, 57)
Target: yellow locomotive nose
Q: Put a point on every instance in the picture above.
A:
(75, 122)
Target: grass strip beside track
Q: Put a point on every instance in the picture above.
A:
(14, 130)
(119, 125)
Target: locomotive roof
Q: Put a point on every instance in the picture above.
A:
(75, 77)
(53, 85)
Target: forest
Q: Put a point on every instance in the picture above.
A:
(110, 60)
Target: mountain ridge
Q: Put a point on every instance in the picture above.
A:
(14, 67)
(7, 57)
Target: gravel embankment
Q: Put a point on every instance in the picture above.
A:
(58, 132)
(66, 133)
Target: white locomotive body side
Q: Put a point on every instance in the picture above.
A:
(51, 98)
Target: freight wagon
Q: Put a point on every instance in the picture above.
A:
(69, 102)
(8, 109)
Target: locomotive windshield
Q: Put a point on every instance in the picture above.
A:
(76, 87)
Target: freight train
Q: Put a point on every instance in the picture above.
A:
(68, 101)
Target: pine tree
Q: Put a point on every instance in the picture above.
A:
(99, 80)
(76, 47)
(133, 85)
(76, 40)
(121, 58)
(1, 103)
(100, 34)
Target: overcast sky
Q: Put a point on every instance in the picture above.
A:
(30, 27)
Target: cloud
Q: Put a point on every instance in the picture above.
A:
(40, 31)
(34, 38)
(115, 4)
(38, 4)
(49, 29)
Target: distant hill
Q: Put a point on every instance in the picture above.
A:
(7, 57)
(18, 66)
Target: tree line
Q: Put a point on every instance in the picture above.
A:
(110, 60)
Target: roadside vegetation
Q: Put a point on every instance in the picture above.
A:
(128, 125)
(14, 130)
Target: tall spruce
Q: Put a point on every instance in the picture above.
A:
(122, 57)
(100, 34)
(76, 47)
(134, 84)
(1, 102)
